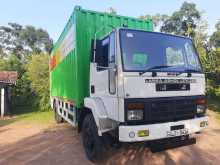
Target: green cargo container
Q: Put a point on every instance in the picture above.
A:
(70, 58)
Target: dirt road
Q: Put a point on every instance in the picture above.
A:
(61, 145)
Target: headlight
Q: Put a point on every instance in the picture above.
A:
(201, 109)
(201, 106)
(136, 114)
(135, 111)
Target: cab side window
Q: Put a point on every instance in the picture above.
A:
(105, 54)
(102, 56)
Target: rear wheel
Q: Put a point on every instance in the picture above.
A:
(57, 117)
(92, 142)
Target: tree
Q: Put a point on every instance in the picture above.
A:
(36, 39)
(111, 10)
(217, 26)
(18, 45)
(18, 40)
(9, 42)
(201, 43)
(215, 47)
(2, 54)
(12, 64)
(215, 37)
(201, 34)
(158, 19)
(38, 74)
(184, 21)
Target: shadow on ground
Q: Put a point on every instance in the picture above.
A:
(62, 145)
(9, 120)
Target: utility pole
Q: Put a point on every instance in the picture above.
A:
(2, 102)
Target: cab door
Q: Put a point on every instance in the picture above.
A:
(103, 76)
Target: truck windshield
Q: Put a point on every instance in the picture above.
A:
(143, 51)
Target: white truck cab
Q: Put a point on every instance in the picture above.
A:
(147, 86)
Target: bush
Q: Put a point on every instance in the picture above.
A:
(38, 74)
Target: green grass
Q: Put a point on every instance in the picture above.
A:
(30, 116)
(214, 105)
(7, 121)
(41, 117)
(218, 117)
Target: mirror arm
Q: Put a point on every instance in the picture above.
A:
(95, 38)
(108, 68)
(94, 49)
(105, 67)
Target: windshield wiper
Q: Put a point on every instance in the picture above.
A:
(191, 70)
(155, 67)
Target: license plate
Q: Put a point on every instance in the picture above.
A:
(180, 132)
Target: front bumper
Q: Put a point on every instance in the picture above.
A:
(159, 131)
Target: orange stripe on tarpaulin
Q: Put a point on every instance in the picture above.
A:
(52, 62)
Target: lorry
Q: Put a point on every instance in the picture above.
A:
(113, 76)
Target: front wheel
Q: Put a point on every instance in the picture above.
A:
(92, 142)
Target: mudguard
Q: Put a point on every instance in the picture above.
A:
(100, 115)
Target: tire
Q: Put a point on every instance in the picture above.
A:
(57, 117)
(92, 142)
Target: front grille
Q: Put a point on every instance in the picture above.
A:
(159, 110)
(171, 110)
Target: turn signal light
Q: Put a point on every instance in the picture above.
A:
(201, 101)
(135, 106)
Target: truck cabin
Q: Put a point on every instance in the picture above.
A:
(136, 66)
(142, 51)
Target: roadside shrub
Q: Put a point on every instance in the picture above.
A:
(38, 74)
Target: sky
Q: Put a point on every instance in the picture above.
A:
(52, 15)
